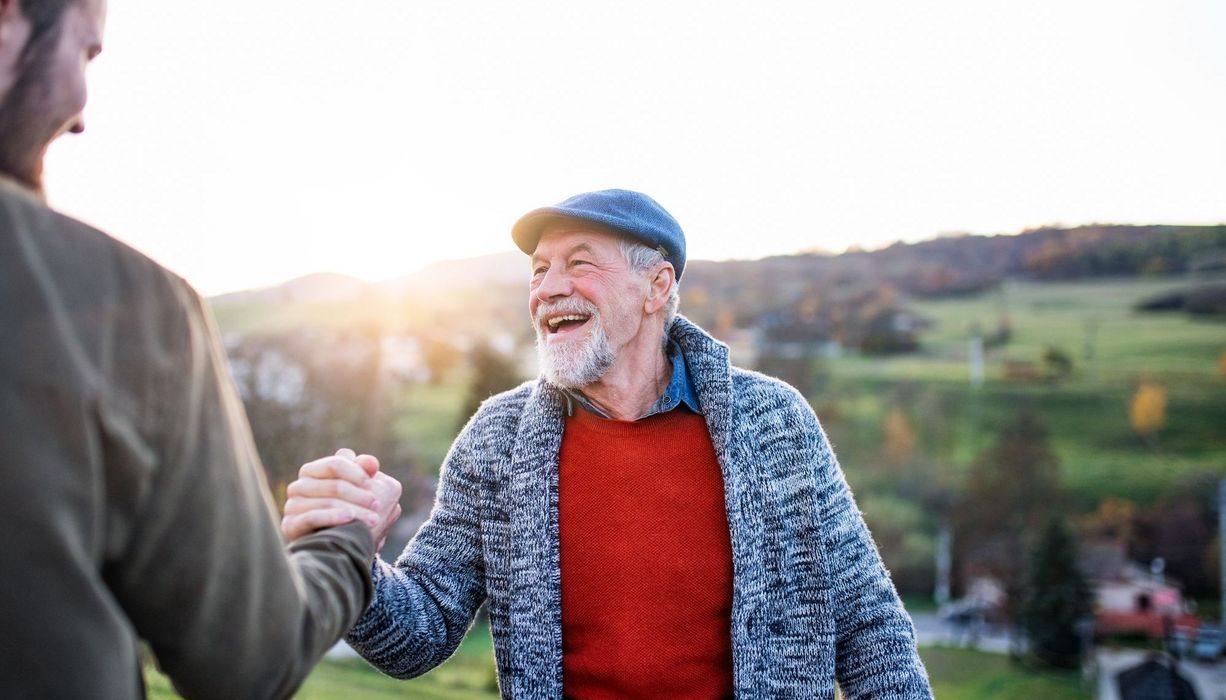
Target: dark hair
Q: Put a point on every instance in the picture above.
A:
(44, 18)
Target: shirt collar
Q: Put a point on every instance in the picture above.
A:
(679, 392)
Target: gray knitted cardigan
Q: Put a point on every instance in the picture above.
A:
(811, 601)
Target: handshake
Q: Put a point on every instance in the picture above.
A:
(341, 489)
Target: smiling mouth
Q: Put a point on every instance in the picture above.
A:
(567, 323)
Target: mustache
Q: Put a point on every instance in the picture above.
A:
(568, 305)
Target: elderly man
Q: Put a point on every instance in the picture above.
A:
(133, 502)
(645, 520)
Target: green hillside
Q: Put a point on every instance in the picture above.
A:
(1111, 347)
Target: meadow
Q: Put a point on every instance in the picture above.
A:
(1087, 412)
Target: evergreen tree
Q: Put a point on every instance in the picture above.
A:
(1056, 598)
(493, 372)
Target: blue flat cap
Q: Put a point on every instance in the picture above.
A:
(632, 213)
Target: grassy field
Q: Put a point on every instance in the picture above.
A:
(957, 674)
(468, 675)
(428, 417)
(1087, 413)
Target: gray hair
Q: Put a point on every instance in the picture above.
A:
(642, 259)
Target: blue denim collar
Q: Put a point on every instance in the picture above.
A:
(679, 392)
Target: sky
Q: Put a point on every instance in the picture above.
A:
(244, 147)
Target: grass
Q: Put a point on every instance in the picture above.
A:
(956, 674)
(961, 674)
(467, 675)
(1087, 413)
(428, 416)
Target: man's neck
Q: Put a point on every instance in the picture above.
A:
(13, 183)
(633, 383)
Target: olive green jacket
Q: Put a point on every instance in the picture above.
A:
(133, 503)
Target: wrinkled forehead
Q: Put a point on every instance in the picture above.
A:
(564, 233)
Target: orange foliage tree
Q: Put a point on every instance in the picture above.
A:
(1147, 412)
(900, 437)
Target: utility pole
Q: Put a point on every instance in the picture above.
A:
(944, 563)
(1091, 347)
(975, 356)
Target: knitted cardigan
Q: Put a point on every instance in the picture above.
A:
(812, 603)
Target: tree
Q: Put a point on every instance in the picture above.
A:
(308, 392)
(1057, 364)
(493, 372)
(1056, 598)
(1180, 528)
(1010, 490)
(1115, 520)
(905, 537)
(1147, 411)
(900, 437)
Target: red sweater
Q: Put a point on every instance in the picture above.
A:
(646, 560)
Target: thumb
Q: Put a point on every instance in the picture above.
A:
(346, 453)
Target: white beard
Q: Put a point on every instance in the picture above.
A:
(574, 364)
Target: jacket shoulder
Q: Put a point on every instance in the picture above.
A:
(757, 389)
(502, 411)
(79, 256)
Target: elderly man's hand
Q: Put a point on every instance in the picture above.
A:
(337, 490)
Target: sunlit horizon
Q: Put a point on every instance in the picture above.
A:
(246, 149)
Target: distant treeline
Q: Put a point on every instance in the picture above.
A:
(1097, 251)
(858, 298)
(967, 264)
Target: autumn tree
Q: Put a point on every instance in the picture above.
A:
(1180, 527)
(1011, 490)
(1147, 410)
(900, 438)
(1114, 520)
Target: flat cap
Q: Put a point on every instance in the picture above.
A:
(632, 213)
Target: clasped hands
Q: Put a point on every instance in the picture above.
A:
(340, 489)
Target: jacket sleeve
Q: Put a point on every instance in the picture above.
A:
(876, 655)
(425, 603)
(206, 577)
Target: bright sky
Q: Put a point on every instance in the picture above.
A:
(245, 144)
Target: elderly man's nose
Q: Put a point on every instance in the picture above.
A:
(553, 284)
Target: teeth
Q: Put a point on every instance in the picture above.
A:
(557, 320)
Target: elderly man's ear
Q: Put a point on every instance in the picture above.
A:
(661, 284)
